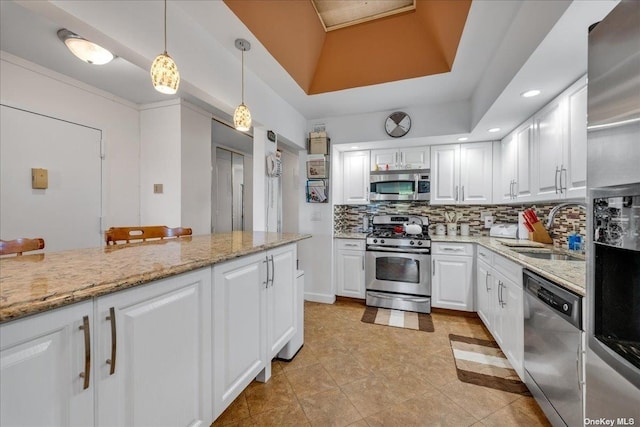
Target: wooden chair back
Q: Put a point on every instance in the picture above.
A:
(128, 234)
(18, 246)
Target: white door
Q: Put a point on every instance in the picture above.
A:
(452, 285)
(162, 372)
(380, 159)
(524, 146)
(476, 178)
(508, 154)
(281, 302)
(575, 174)
(350, 273)
(548, 148)
(415, 158)
(239, 326)
(445, 174)
(484, 286)
(224, 192)
(66, 214)
(41, 359)
(356, 177)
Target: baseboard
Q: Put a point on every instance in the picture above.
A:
(323, 298)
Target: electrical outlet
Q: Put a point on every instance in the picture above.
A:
(488, 221)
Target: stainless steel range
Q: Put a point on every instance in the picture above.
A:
(398, 263)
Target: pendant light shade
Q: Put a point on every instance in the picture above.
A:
(242, 115)
(164, 71)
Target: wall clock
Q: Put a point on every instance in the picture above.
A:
(397, 124)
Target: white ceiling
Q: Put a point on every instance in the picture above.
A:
(507, 47)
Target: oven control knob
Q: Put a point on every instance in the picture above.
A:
(565, 307)
(382, 241)
(375, 240)
(411, 243)
(420, 243)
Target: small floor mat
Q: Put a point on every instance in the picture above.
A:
(398, 319)
(481, 362)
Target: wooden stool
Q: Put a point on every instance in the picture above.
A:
(18, 246)
(128, 234)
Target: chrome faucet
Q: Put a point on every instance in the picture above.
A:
(554, 211)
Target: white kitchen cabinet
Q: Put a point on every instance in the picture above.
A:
(515, 175)
(452, 276)
(350, 270)
(462, 173)
(239, 326)
(560, 146)
(355, 177)
(281, 298)
(500, 304)
(41, 360)
(153, 353)
(402, 158)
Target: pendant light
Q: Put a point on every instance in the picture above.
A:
(164, 71)
(242, 115)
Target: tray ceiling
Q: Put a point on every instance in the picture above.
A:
(419, 42)
(336, 14)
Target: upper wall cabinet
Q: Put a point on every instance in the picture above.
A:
(559, 146)
(461, 173)
(403, 158)
(515, 171)
(355, 177)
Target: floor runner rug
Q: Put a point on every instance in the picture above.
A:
(481, 362)
(398, 319)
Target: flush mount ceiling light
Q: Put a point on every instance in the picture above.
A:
(85, 50)
(242, 115)
(463, 138)
(164, 71)
(493, 130)
(530, 93)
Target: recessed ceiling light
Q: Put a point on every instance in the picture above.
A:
(463, 138)
(530, 93)
(85, 50)
(492, 130)
(355, 147)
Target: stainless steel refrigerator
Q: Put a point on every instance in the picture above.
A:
(613, 222)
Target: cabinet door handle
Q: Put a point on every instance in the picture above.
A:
(266, 261)
(563, 188)
(556, 179)
(112, 360)
(433, 271)
(363, 263)
(462, 199)
(515, 189)
(273, 270)
(453, 249)
(486, 281)
(352, 245)
(456, 193)
(87, 352)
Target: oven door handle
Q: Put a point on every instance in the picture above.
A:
(403, 298)
(399, 250)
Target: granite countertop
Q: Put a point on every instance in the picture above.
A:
(35, 283)
(569, 274)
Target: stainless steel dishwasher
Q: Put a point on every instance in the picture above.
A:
(553, 349)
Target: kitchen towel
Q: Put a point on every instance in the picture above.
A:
(481, 362)
(398, 319)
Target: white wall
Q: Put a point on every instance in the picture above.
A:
(31, 87)
(196, 168)
(160, 163)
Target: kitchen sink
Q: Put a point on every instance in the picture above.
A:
(550, 255)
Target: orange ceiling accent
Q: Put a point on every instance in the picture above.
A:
(413, 44)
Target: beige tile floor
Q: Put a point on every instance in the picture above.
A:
(351, 373)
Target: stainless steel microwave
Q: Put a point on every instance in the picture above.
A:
(409, 184)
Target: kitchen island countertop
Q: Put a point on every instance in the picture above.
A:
(35, 283)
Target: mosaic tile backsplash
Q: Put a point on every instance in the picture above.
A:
(349, 218)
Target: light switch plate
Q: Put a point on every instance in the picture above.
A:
(39, 179)
(158, 188)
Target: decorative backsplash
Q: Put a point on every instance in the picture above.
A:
(349, 218)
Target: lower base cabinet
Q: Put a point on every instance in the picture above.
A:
(500, 299)
(41, 359)
(159, 372)
(452, 276)
(350, 273)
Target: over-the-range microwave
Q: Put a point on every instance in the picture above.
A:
(408, 184)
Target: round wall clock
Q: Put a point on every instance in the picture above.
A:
(397, 124)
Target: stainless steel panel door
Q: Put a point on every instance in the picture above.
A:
(398, 272)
